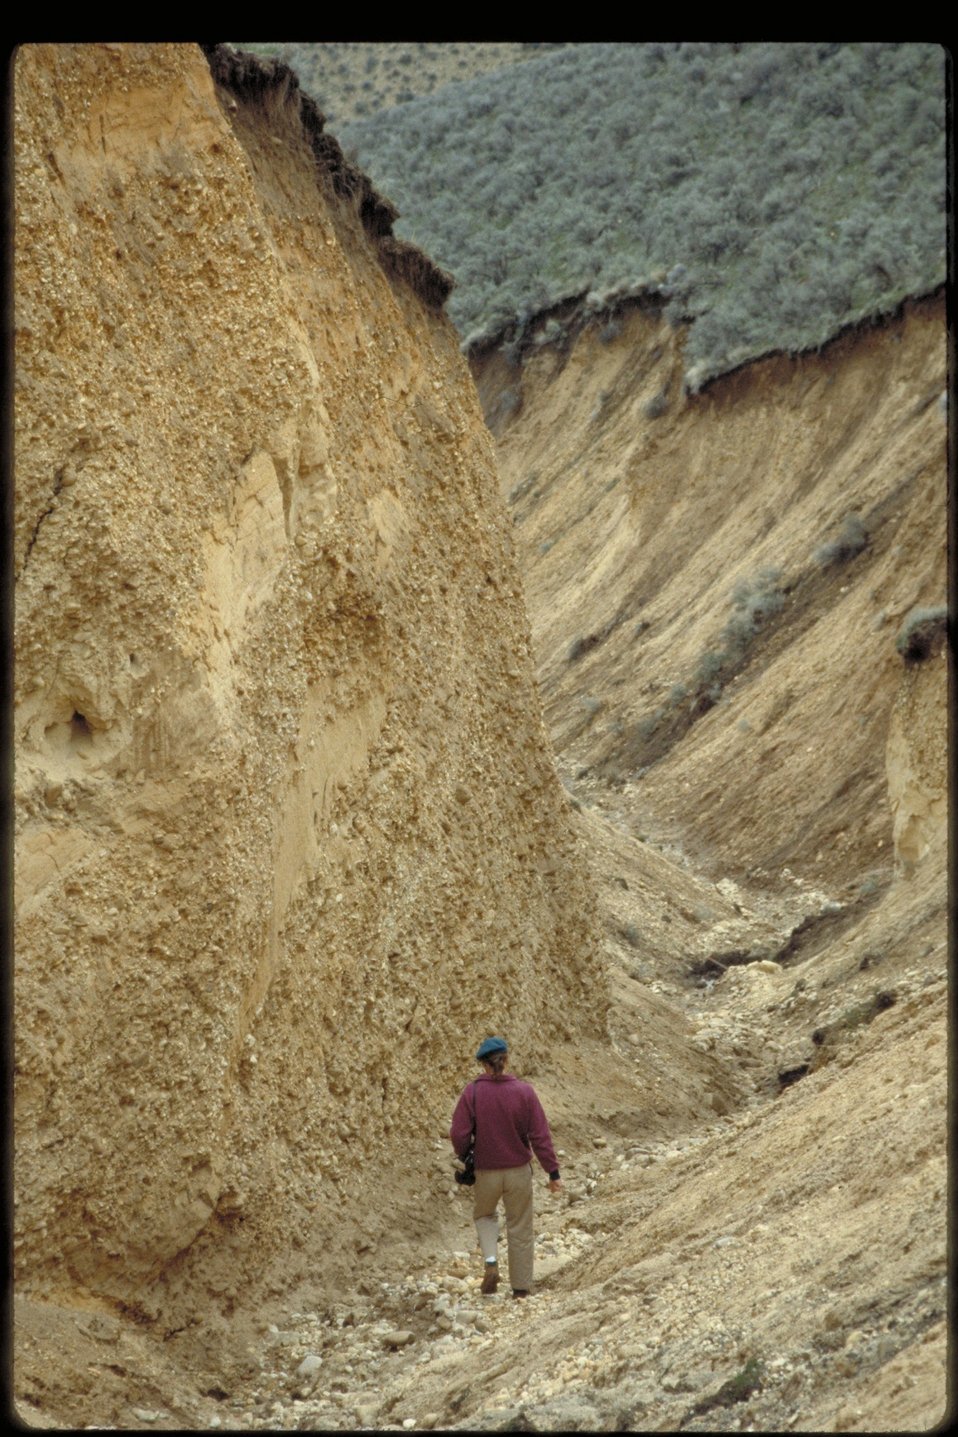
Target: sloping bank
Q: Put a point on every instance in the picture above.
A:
(288, 833)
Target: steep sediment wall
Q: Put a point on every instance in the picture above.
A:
(716, 583)
(287, 831)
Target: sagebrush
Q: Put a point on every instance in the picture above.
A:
(769, 193)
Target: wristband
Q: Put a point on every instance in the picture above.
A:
(554, 1175)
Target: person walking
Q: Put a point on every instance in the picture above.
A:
(510, 1125)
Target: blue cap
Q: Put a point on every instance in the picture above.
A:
(491, 1045)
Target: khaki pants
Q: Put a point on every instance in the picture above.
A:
(514, 1187)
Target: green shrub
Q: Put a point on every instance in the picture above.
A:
(745, 1382)
(710, 665)
(739, 1387)
(753, 601)
(921, 633)
(851, 539)
(550, 333)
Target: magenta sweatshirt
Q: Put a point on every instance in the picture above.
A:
(509, 1121)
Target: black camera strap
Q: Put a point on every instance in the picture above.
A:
(467, 1175)
(471, 1149)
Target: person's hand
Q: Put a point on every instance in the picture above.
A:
(555, 1185)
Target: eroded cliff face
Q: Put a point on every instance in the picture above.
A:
(716, 582)
(288, 835)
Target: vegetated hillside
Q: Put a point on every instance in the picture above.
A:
(772, 193)
(350, 79)
(288, 832)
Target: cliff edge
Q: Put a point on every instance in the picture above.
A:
(288, 833)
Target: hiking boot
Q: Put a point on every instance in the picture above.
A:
(520, 1292)
(490, 1278)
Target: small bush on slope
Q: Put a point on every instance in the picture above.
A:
(850, 540)
(753, 601)
(921, 633)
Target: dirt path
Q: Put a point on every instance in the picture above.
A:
(778, 1268)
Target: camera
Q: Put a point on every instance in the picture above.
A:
(466, 1175)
